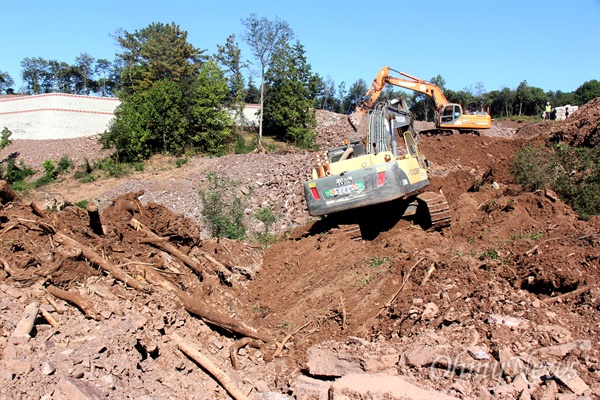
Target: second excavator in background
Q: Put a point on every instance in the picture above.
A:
(449, 117)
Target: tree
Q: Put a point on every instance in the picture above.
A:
(34, 71)
(155, 53)
(252, 93)
(212, 123)
(289, 108)
(84, 65)
(586, 92)
(105, 82)
(355, 95)
(6, 82)
(265, 38)
(229, 55)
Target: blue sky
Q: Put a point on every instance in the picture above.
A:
(554, 45)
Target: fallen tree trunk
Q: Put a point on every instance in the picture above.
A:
(96, 259)
(72, 297)
(204, 311)
(208, 365)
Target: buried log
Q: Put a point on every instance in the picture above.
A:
(75, 298)
(224, 379)
(7, 195)
(214, 317)
(26, 323)
(204, 311)
(103, 264)
(37, 210)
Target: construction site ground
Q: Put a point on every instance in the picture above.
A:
(505, 304)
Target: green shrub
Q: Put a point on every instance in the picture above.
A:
(5, 138)
(180, 161)
(222, 209)
(64, 165)
(82, 204)
(13, 173)
(573, 172)
(268, 218)
(112, 168)
(138, 166)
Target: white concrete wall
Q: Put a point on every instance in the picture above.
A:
(56, 115)
(64, 116)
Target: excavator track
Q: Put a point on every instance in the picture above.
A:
(437, 209)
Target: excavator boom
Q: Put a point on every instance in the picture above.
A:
(448, 116)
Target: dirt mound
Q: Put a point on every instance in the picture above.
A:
(504, 302)
(580, 129)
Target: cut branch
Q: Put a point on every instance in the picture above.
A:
(404, 280)
(75, 298)
(579, 291)
(163, 244)
(224, 379)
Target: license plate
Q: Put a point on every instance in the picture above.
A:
(344, 189)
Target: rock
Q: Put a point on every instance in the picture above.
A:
(18, 367)
(339, 359)
(497, 319)
(48, 368)
(548, 391)
(79, 390)
(478, 353)
(569, 378)
(431, 311)
(511, 364)
(308, 388)
(563, 349)
(380, 386)
(424, 356)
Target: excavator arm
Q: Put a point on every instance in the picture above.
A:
(409, 82)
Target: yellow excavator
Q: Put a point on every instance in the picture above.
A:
(449, 118)
(372, 181)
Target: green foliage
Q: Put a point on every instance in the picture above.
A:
(289, 109)
(241, 147)
(573, 172)
(138, 166)
(13, 173)
(82, 204)
(222, 208)
(180, 161)
(149, 122)
(157, 52)
(586, 92)
(212, 123)
(5, 138)
(490, 253)
(268, 218)
(112, 168)
(84, 172)
(64, 165)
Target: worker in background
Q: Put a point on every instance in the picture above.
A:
(548, 110)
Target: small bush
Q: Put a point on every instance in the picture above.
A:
(82, 204)
(268, 218)
(112, 168)
(180, 161)
(13, 173)
(222, 209)
(573, 172)
(5, 138)
(64, 165)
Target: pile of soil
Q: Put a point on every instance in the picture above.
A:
(503, 304)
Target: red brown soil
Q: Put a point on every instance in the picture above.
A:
(508, 252)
